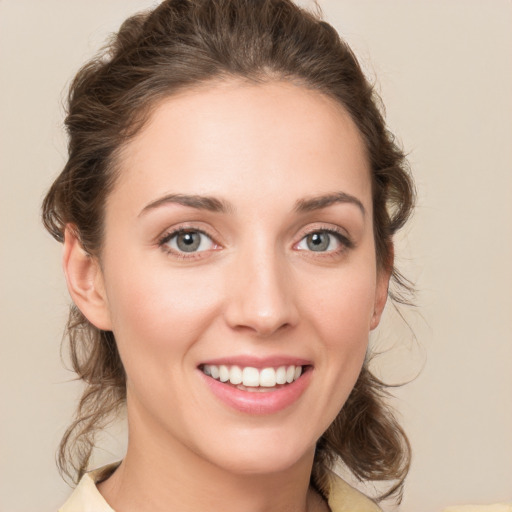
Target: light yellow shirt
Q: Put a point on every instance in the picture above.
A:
(87, 498)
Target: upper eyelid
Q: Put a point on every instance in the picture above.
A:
(325, 227)
(169, 233)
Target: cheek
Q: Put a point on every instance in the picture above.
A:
(341, 313)
(157, 316)
(343, 306)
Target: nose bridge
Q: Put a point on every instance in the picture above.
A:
(261, 297)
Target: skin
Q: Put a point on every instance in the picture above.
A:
(254, 288)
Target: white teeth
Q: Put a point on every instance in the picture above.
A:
(252, 377)
(223, 373)
(281, 375)
(214, 371)
(268, 378)
(235, 375)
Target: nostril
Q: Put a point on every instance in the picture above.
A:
(262, 329)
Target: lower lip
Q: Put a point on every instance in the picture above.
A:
(259, 402)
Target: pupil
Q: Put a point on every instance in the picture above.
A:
(188, 242)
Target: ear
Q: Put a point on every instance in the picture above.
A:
(85, 281)
(381, 290)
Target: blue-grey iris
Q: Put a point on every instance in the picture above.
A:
(189, 241)
(318, 241)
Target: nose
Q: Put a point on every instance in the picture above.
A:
(261, 299)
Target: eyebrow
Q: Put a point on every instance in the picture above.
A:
(323, 201)
(211, 204)
(216, 205)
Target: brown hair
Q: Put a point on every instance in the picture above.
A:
(182, 44)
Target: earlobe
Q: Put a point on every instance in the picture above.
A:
(381, 296)
(381, 292)
(85, 281)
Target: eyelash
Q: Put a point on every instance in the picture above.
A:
(345, 242)
(167, 237)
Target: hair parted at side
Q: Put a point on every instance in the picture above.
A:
(183, 44)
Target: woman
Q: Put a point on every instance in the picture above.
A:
(227, 213)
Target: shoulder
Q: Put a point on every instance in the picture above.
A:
(86, 497)
(344, 498)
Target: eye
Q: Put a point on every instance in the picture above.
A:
(188, 241)
(323, 241)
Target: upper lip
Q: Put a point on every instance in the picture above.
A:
(258, 362)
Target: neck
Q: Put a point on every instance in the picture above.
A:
(160, 474)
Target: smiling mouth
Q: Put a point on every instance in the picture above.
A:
(253, 379)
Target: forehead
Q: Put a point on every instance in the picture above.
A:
(234, 138)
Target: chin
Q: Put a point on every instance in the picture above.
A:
(261, 456)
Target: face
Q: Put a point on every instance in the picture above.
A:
(238, 272)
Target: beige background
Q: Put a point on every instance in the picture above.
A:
(445, 73)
